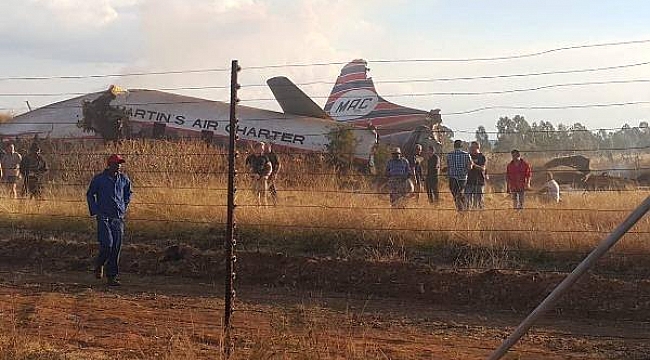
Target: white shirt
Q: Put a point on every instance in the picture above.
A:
(553, 190)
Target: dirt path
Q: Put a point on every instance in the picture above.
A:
(299, 308)
(69, 315)
(594, 296)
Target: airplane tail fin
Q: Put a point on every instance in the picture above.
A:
(292, 100)
(354, 99)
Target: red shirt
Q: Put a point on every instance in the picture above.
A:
(518, 174)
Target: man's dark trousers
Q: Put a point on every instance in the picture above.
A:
(432, 188)
(109, 235)
(457, 188)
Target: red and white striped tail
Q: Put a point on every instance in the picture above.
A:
(354, 100)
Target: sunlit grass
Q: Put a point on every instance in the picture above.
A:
(180, 192)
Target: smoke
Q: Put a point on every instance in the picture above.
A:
(208, 34)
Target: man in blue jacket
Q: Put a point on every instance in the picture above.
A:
(108, 197)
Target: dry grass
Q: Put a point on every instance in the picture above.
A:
(57, 327)
(184, 182)
(98, 325)
(333, 215)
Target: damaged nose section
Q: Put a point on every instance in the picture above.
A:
(101, 117)
(434, 117)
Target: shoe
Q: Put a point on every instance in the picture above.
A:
(113, 282)
(99, 272)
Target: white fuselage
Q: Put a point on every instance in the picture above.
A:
(185, 116)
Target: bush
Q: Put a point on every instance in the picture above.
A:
(342, 146)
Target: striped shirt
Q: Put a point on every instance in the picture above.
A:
(458, 163)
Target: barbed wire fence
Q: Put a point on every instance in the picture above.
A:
(62, 212)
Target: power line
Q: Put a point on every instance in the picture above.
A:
(569, 130)
(476, 59)
(379, 61)
(144, 73)
(537, 88)
(53, 107)
(428, 80)
(557, 107)
(447, 79)
(452, 93)
(76, 93)
(469, 78)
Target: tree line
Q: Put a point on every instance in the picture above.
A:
(517, 133)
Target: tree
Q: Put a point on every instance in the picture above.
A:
(644, 134)
(581, 137)
(483, 138)
(342, 145)
(621, 138)
(505, 129)
(544, 135)
(604, 139)
(562, 137)
(513, 133)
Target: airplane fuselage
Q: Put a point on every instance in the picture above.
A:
(158, 114)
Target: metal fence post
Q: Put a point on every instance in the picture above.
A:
(230, 241)
(587, 263)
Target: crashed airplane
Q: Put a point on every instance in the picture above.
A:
(302, 126)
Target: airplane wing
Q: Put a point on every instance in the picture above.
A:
(293, 100)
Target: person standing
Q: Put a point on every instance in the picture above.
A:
(108, 196)
(416, 161)
(475, 189)
(275, 168)
(10, 164)
(260, 170)
(372, 166)
(551, 189)
(32, 168)
(398, 172)
(518, 175)
(433, 172)
(458, 165)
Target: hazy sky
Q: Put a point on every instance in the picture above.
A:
(89, 37)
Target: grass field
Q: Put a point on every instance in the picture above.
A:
(331, 272)
(180, 189)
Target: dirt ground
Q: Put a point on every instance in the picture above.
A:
(299, 308)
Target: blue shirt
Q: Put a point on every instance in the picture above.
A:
(398, 168)
(458, 164)
(109, 195)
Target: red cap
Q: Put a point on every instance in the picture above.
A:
(115, 159)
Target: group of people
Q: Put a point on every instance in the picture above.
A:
(109, 193)
(467, 176)
(31, 168)
(264, 165)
